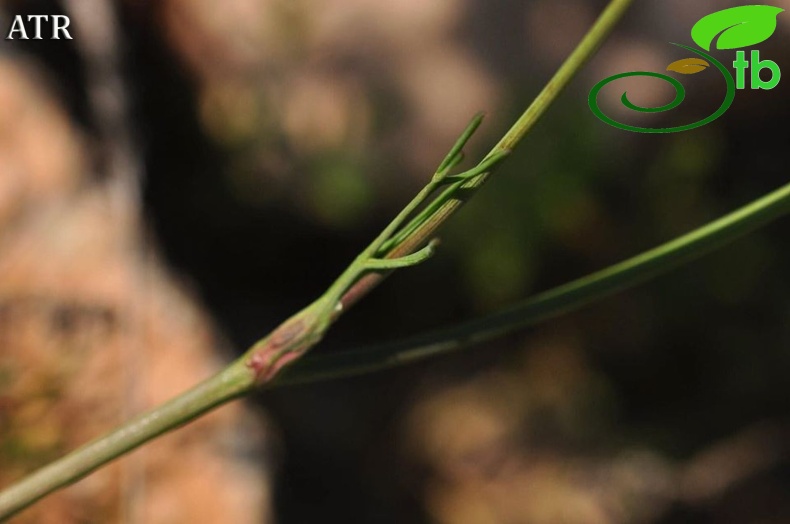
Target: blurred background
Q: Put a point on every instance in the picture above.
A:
(184, 174)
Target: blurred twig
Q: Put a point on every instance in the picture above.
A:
(98, 39)
(119, 167)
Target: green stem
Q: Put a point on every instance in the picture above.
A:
(302, 331)
(562, 299)
(586, 48)
(226, 385)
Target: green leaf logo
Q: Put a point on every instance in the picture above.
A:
(738, 26)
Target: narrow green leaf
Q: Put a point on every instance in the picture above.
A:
(548, 304)
(742, 26)
(485, 166)
(453, 157)
(386, 264)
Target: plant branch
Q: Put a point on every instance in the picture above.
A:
(454, 196)
(551, 303)
(580, 55)
(226, 385)
(294, 337)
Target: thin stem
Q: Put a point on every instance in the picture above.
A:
(586, 48)
(562, 299)
(422, 227)
(289, 341)
(226, 385)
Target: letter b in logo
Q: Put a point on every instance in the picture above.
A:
(757, 65)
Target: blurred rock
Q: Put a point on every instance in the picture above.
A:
(93, 329)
